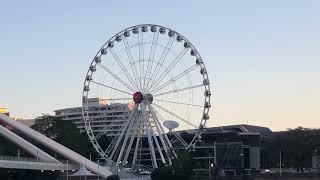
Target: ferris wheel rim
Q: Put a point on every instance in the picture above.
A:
(203, 121)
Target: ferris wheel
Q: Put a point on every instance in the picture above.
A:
(148, 76)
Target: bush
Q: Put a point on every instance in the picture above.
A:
(181, 168)
(113, 177)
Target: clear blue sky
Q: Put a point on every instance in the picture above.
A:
(263, 56)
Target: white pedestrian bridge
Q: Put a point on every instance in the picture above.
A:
(12, 162)
(43, 160)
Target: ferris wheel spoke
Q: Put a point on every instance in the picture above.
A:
(135, 131)
(175, 102)
(135, 154)
(105, 130)
(123, 68)
(141, 59)
(131, 60)
(178, 90)
(161, 60)
(162, 119)
(111, 144)
(173, 79)
(169, 68)
(152, 52)
(104, 85)
(175, 115)
(116, 77)
(109, 126)
(149, 137)
(124, 143)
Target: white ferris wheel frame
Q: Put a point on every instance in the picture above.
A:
(159, 141)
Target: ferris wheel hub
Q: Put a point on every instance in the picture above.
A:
(137, 97)
(149, 98)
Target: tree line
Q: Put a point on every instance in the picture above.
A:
(296, 146)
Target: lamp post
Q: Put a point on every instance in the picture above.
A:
(242, 161)
(280, 164)
(98, 169)
(317, 160)
(209, 167)
(67, 169)
(18, 154)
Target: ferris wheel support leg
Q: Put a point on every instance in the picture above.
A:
(137, 145)
(124, 144)
(151, 146)
(133, 136)
(164, 145)
(123, 131)
(155, 139)
(165, 135)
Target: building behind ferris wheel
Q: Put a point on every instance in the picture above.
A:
(237, 146)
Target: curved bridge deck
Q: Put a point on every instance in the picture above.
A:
(10, 162)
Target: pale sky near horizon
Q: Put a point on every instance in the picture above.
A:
(263, 57)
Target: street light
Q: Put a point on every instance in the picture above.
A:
(242, 162)
(280, 163)
(317, 161)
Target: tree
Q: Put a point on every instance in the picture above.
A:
(296, 146)
(45, 125)
(65, 133)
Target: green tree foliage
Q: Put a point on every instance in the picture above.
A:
(46, 125)
(65, 133)
(296, 145)
(181, 168)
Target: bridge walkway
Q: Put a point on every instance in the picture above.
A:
(12, 162)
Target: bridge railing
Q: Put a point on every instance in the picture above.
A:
(30, 159)
(17, 158)
(33, 163)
